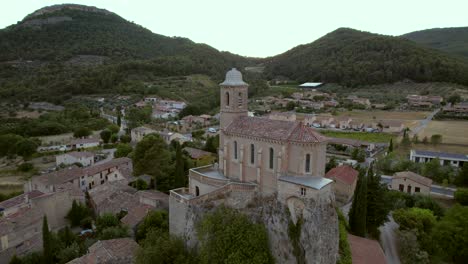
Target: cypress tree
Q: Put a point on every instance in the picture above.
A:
(377, 209)
(47, 242)
(179, 173)
(358, 212)
(119, 119)
(390, 146)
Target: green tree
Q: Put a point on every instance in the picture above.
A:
(15, 260)
(390, 146)
(81, 132)
(125, 139)
(212, 144)
(119, 119)
(436, 139)
(358, 211)
(153, 220)
(47, 241)
(151, 156)
(415, 139)
(330, 164)
(291, 105)
(26, 148)
(454, 98)
(138, 116)
(77, 213)
(451, 234)
(106, 220)
(461, 196)
(114, 232)
(69, 253)
(377, 208)
(433, 170)
(114, 129)
(420, 221)
(462, 177)
(122, 150)
(161, 248)
(425, 140)
(227, 236)
(180, 179)
(8, 144)
(114, 138)
(105, 135)
(409, 249)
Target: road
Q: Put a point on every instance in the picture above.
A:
(435, 189)
(389, 242)
(423, 123)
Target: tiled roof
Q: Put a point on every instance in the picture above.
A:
(120, 250)
(20, 199)
(344, 173)
(414, 177)
(197, 153)
(440, 154)
(136, 215)
(25, 217)
(274, 129)
(73, 172)
(113, 197)
(365, 251)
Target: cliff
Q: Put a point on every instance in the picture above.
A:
(313, 239)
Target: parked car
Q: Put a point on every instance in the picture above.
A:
(212, 130)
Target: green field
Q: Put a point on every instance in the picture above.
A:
(364, 136)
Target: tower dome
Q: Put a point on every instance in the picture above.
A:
(233, 78)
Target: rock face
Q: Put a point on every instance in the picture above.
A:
(316, 239)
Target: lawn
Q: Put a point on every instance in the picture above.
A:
(364, 136)
(453, 132)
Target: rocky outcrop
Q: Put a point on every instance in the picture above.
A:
(37, 23)
(312, 239)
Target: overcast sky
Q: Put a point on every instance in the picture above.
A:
(263, 28)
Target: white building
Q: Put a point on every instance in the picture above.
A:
(83, 143)
(452, 159)
(85, 158)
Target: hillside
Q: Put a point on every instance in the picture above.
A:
(352, 57)
(64, 50)
(450, 40)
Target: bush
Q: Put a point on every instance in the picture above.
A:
(81, 132)
(25, 167)
(344, 249)
(461, 196)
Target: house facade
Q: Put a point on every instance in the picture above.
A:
(412, 183)
(85, 158)
(344, 182)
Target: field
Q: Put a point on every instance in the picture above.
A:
(453, 132)
(364, 136)
(409, 119)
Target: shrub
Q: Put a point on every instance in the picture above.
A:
(461, 196)
(25, 167)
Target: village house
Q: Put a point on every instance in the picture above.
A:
(423, 101)
(310, 85)
(21, 218)
(410, 182)
(85, 158)
(331, 103)
(452, 159)
(151, 99)
(359, 101)
(392, 126)
(344, 182)
(83, 143)
(257, 156)
(202, 120)
(84, 178)
(120, 250)
(139, 133)
(460, 108)
(352, 143)
(170, 136)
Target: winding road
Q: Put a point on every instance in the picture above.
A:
(423, 123)
(389, 242)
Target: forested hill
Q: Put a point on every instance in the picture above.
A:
(63, 32)
(450, 40)
(353, 57)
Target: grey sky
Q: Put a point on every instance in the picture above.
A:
(263, 28)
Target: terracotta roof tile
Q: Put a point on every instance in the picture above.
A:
(344, 173)
(274, 129)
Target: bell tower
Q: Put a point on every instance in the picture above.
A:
(234, 96)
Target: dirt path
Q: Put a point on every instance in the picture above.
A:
(389, 241)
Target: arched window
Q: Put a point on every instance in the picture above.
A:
(227, 98)
(239, 100)
(271, 163)
(307, 163)
(252, 153)
(235, 149)
(197, 191)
